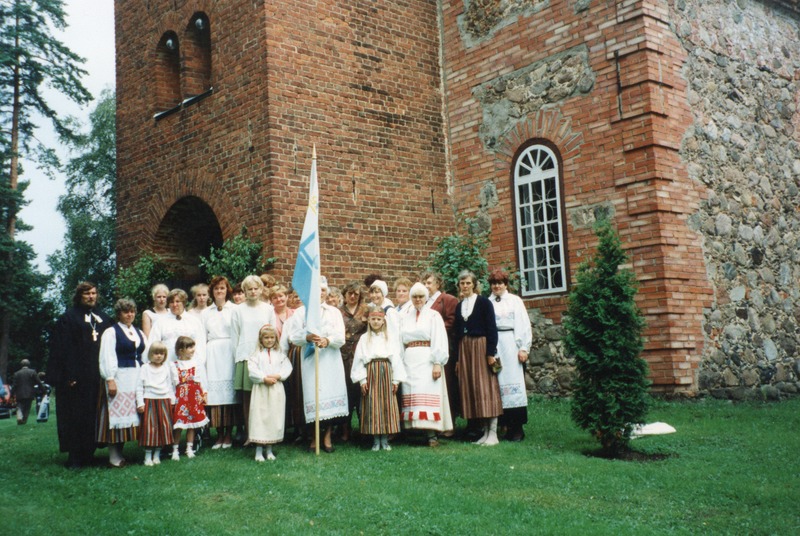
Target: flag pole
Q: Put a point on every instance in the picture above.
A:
(316, 365)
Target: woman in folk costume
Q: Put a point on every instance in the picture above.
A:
(378, 369)
(220, 368)
(151, 316)
(513, 342)
(333, 406)
(268, 367)
(179, 324)
(476, 331)
(246, 319)
(121, 350)
(425, 405)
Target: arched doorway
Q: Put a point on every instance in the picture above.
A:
(189, 229)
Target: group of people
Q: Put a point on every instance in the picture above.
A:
(243, 359)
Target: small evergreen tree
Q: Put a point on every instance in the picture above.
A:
(236, 259)
(604, 335)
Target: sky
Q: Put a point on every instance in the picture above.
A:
(90, 34)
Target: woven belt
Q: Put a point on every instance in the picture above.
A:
(415, 344)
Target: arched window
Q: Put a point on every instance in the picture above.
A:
(540, 228)
(197, 56)
(168, 72)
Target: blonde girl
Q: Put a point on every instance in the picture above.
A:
(268, 366)
(378, 368)
(189, 412)
(155, 389)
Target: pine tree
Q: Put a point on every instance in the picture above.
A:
(30, 59)
(604, 335)
(89, 209)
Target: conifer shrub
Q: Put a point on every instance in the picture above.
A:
(604, 335)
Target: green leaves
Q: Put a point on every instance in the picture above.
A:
(604, 335)
(236, 259)
(460, 251)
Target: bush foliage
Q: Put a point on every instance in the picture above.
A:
(135, 281)
(462, 250)
(604, 335)
(236, 259)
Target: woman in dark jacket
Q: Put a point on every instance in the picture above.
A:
(476, 335)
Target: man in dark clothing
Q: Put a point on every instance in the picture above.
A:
(26, 381)
(74, 372)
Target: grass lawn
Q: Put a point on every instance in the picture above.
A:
(732, 469)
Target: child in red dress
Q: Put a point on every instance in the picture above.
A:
(189, 412)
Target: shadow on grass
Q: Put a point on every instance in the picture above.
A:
(627, 455)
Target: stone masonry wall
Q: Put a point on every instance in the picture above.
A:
(743, 70)
(600, 83)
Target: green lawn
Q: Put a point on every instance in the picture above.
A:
(732, 469)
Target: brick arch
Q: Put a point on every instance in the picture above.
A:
(191, 183)
(188, 231)
(548, 124)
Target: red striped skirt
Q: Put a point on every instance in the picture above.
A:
(222, 416)
(156, 427)
(379, 411)
(480, 391)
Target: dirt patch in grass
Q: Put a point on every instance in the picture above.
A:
(628, 455)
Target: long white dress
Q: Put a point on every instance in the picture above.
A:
(168, 329)
(220, 366)
(267, 402)
(332, 387)
(425, 404)
(513, 334)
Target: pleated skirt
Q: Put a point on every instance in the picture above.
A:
(480, 391)
(379, 411)
(222, 416)
(156, 427)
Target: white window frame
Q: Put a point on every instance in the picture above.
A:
(540, 228)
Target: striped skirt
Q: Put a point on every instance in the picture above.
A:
(111, 436)
(223, 416)
(295, 415)
(480, 391)
(156, 427)
(379, 411)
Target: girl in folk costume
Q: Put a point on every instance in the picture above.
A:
(155, 390)
(121, 350)
(425, 404)
(189, 412)
(378, 368)
(268, 367)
